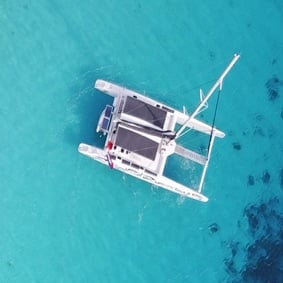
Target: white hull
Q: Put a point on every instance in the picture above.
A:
(160, 181)
(116, 90)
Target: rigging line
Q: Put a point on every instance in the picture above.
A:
(214, 118)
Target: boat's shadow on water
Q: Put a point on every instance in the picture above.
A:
(84, 108)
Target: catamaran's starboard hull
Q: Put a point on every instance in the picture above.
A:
(160, 181)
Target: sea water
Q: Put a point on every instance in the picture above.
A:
(65, 218)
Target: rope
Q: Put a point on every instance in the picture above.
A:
(214, 118)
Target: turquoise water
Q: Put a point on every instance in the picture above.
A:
(65, 218)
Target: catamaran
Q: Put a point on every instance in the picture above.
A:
(141, 133)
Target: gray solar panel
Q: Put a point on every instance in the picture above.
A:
(105, 124)
(147, 112)
(108, 111)
(134, 142)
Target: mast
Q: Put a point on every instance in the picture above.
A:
(217, 84)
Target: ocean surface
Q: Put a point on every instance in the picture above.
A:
(65, 218)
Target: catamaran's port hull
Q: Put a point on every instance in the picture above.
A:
(115, 90)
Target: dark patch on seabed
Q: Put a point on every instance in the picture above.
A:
(281, 178)
(251, 180)
(213, 228)
(264, 254)
(229, 263)
(273, 87)
(237, 146)
(265, 177)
